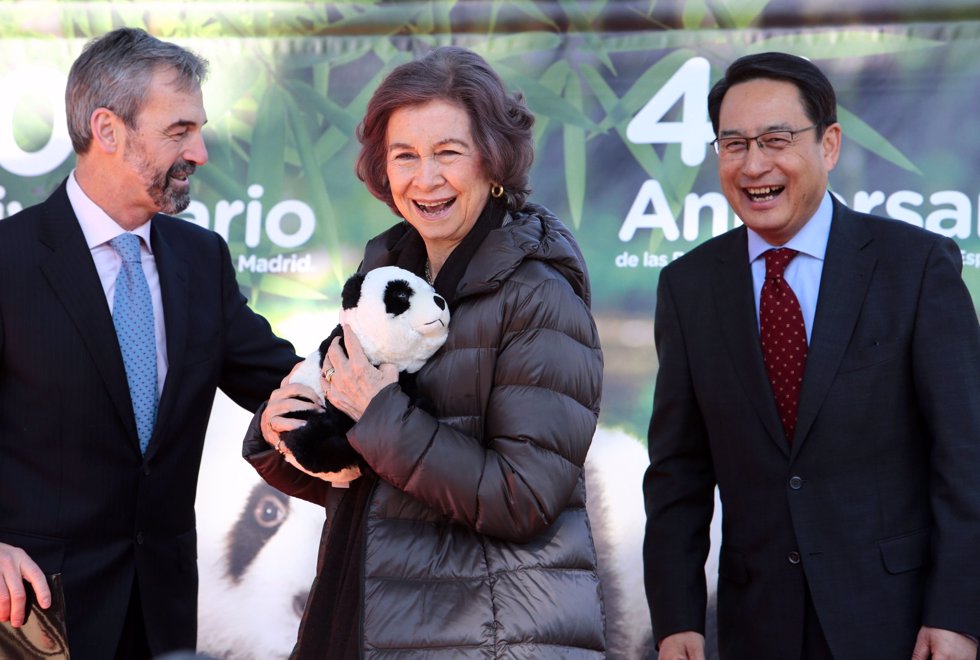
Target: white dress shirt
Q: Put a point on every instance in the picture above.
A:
(99, 229)
(805, 270)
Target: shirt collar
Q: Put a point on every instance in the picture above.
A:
(811, 239)
(96, 224)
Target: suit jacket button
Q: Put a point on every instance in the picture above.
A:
(139, 538)
(795, 483)
(794, 557)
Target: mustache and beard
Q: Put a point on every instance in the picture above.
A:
(171, 200)
(159, 184)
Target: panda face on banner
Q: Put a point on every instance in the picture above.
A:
(397, 317)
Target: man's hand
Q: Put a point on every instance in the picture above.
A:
(15, 567)
(939, 644)
(688, 645)
(288, 398)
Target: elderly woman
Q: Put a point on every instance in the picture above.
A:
(466, 535)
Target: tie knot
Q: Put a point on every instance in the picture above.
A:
(128, 246)
(777, 260)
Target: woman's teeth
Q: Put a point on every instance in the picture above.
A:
(435, 208)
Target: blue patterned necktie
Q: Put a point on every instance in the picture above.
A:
(132, 314)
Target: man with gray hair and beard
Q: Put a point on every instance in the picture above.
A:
(117, 325)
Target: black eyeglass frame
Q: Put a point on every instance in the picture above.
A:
(716, 143)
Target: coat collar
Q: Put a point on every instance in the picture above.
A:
(733, 296)
(71, 273)
(531, 233)
(847, 270)
(848, 264)
(175, 294)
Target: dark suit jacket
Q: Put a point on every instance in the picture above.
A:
(75, 493)
(877, 504)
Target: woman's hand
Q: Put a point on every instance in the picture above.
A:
(350, 382)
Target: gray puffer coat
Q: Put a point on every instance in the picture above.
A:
(478, 544)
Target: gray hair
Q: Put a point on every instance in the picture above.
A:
(114, 71)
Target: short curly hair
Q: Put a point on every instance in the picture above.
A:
(500, 122)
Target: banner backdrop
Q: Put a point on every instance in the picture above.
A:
(623, 156)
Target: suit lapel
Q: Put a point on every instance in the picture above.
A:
(174, 291)
(71, 272)
(843, 285)
(733, 292)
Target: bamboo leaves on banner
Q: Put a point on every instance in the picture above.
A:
(544, 101)
(738, 14)
(695, 11)
(282, 286)
(574, 151)
(841, 44)
(512, 47)
(529, 7)
(859, 131)
(221, 181)
(268, 148)
(304, 132)
(582, 24)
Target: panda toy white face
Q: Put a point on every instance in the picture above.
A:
(397, 316)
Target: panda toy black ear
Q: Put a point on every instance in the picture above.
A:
(351, 295)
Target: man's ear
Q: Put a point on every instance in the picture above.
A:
(831, 145)
(106, 130)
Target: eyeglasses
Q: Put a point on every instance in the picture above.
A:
(769, 143)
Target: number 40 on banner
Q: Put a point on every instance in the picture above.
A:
(693, 132)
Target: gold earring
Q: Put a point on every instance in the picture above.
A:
(496, 190)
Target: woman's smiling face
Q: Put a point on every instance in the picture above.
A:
(436, 173)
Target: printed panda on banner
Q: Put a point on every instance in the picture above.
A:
(614, 470)
(258, 549)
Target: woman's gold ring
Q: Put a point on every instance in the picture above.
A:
(328, 374)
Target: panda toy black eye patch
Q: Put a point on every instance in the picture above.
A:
(398, 297)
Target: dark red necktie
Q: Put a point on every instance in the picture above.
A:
(783, 338)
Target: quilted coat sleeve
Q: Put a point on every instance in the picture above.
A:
(275, 470)
(516, 390)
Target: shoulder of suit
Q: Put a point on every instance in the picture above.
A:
(173, 225)
(20, 222)
(885, 228)
(710, 250)
(893, 241)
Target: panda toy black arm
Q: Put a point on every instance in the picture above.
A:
(398, 319)
(321, 444)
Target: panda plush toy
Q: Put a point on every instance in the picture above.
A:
(399, 319)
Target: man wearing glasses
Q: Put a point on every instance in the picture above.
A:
(820, 367)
